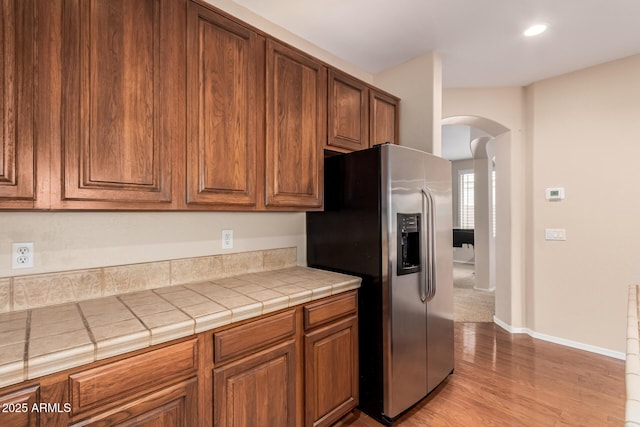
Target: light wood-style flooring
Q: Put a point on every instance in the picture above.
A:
(502, 379)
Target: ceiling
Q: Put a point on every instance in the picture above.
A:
(480, 41)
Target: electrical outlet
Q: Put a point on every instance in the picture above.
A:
(22, 255)
(227, 239)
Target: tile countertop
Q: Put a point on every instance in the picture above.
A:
(632, 364)
(51, 339)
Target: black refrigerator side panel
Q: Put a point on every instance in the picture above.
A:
(346, 235)
(346, 238)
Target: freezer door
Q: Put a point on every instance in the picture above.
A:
(418, 327)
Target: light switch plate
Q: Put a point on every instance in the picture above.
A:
(555, 234)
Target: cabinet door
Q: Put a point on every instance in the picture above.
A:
(385, 118)
(296, 128)
(348, 113)
(122, 102)
(16, 408)
(224, 96)
(258, 390)
(174, 406)
(17, 150)
(331, 372)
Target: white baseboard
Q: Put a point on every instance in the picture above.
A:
(484, 290)
(508, 327)
(561, 341)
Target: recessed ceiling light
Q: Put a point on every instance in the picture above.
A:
(534, 30)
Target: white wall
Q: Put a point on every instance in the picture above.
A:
(510, 266)
(77, 240)
(481, 223)
(582, 132)
(418, 83)
(585, 137)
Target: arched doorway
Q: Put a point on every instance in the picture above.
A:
(489, 157)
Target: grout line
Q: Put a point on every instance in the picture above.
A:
(11, 304)
(89, 331)
(25, 364)
(135, 315)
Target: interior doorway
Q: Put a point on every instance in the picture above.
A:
(476, 205)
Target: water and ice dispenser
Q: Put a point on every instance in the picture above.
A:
(408, 243)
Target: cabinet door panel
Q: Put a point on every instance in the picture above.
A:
(331, 376)
(385, 119)
(18, 405)
(296, 128)
(172, 406)
(257, 391)
(348, 115)
(17, 53)
(223, 86)
(119, 87)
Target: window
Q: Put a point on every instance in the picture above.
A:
(466, 206)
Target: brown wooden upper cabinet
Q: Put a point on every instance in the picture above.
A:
(348, 113)
(296, 121)
(168, 105)
(122, 104)
(359, 116)
(384, 118)
(225, 67)
(17, 61)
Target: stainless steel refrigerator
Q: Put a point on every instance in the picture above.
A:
(387, 219)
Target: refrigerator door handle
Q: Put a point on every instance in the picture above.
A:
(424, 247)
(430, 274)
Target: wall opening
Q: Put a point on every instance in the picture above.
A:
(482, 145)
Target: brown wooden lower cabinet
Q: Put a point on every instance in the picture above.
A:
(254, 375)
(174, 406)
(258, 390)
(276, 370)
(16, 407)
(331, 376)
(331, 359)
(155, 388)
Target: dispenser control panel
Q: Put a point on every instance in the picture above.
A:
(408, 243)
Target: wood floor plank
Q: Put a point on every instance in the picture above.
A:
(502, 379)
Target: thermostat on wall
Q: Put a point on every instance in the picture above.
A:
(555, 193)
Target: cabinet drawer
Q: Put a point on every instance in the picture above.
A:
(16, 407)
(253, 336)
(325, 311)
(127, 377)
